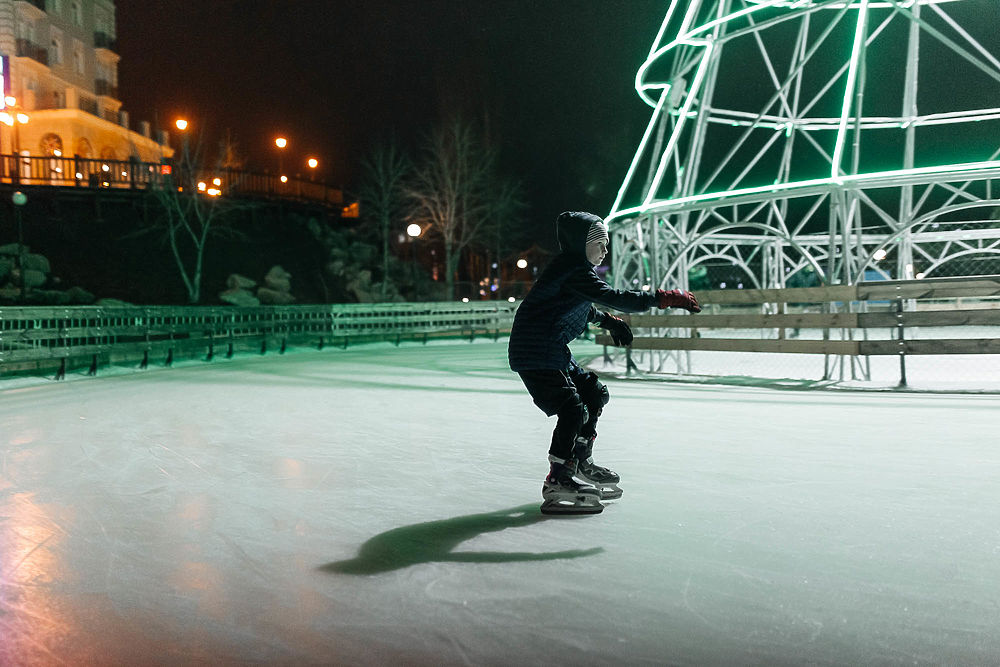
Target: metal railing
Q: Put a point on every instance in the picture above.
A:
(80, 172)
(36, 340)
(891, 320)
(106, 88)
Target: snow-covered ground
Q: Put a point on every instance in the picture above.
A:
(379, 505)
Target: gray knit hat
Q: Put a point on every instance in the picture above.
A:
(598, 232)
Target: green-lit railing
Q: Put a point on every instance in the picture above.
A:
(37, 340)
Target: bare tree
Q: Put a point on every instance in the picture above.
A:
(450, 191)
(230, 154)
(382, 197)
(191, 214)
(505, 209)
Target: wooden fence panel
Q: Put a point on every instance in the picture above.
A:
(931, 346)
(784, 346)
(755, 321)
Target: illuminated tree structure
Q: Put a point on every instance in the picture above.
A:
(798, 142)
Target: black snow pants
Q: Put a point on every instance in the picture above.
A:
(576, 396)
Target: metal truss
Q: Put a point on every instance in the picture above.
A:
(848, 138)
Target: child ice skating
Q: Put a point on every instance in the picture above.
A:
(556, 311)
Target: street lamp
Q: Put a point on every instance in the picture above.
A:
(413, 230)
(13, 118)
(182, 125)
(20, 200)
(312, 163)
(281, 142)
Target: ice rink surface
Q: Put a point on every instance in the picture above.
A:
(379, 505)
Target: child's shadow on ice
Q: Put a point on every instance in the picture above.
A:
(434, 541)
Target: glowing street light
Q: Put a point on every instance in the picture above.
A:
(12, 118)
(181, 124)
(312, 162)
(413, 230)
(281, 142)
(522, 263)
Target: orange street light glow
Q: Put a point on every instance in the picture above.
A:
(281, 142)
(181, 124)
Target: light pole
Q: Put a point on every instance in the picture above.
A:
(413, 230)
(182, 125)
(281, 142)
(20, 200)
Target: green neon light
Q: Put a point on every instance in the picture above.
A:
(689, 38)
(696, 37)
(884, 4)
(642, 148)
(852, 77)
(854, 179)
(682, 120)
(663, 27)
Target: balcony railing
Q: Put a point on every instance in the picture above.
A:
(77, 172)
(89, 105)
(103, 40)
(28, 49)
(105, 87)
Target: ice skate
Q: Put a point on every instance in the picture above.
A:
(561, 494)
(605, 479)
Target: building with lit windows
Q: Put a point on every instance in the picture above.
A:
(63, 78)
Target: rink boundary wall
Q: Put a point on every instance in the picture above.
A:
(861, 320)
(39, 340)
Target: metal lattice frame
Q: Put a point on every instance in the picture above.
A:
(789, 134)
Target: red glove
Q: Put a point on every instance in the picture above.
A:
(676, 298)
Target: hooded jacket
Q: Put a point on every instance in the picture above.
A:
(561, 302)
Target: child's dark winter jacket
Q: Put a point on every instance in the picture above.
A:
(561, 302)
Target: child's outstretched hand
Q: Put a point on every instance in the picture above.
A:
(620, 332)
(676, 298)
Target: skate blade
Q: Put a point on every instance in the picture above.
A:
(610, 492)
(569, 508)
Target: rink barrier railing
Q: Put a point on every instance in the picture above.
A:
(844, 313)
(34, 340)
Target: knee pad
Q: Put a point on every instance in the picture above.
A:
(596, 399)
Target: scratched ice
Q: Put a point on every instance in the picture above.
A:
(379, 505)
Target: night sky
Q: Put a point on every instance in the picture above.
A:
(553, 78)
